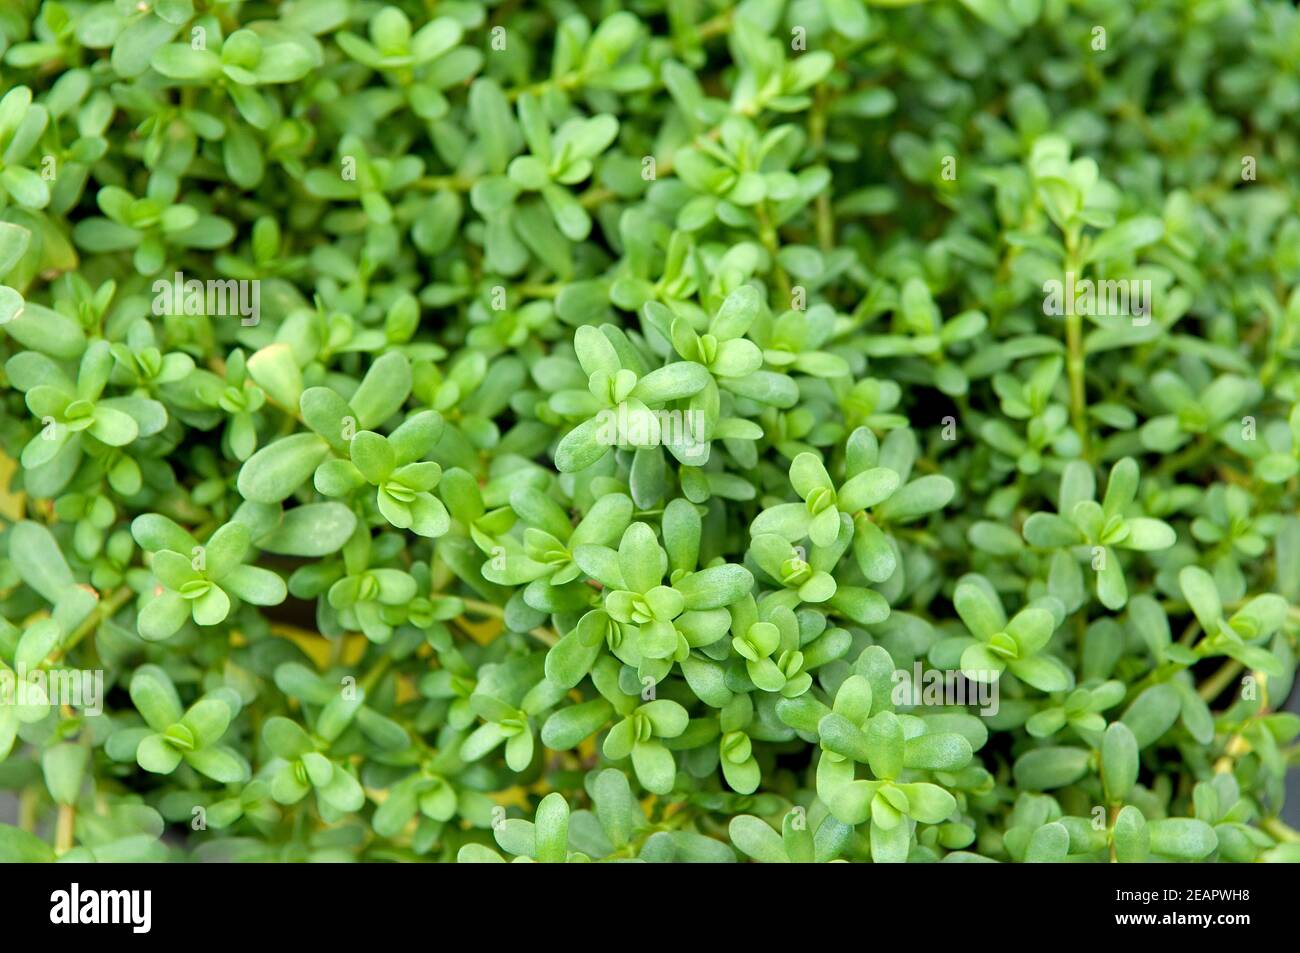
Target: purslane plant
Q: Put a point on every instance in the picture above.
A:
(658, 432)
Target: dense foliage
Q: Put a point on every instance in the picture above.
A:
(670, 430)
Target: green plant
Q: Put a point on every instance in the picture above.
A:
(836, 430)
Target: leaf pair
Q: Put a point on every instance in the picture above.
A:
(200, 585)
(177, 735)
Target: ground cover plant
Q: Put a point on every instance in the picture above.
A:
(660, 430)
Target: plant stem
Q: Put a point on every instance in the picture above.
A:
(566, 82)
(64, 828)
(541, 633)
(27, 810)
(375, 674)
(817, 137)
(717, 26)
(107, 606)
(1185, 458)
(767, 232)
(484, 608)
(1114, 816)
(1281, 830)
(438, 183)
(1075, 356)
(1212, 686)
(1075, 366)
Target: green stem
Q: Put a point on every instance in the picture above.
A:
(717, 26)
(64, 829)
(477, 606)
(376, 672)
(1185, 458)
(27, 810)
(1075, 356)
(767, 232)
(1279, 829)
(1075, 366)
(107, 606)
(1114, 816)
(440, 183)
(565, 82)
(1216, 683)
(817, 137)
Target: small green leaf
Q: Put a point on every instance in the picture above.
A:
(276, 471)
